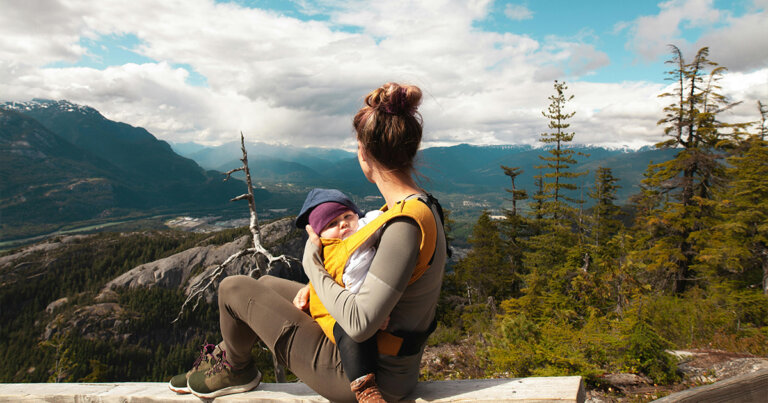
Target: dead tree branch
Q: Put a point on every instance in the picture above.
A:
(197, 290)
(208, 281)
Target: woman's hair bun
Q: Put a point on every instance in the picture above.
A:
(389, 127)
(395, 99)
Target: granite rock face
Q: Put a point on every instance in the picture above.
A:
(106, 319)
(174, 271)
(53, 306)
(184, 268)
(94, 322)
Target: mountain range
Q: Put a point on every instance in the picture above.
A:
(460, 169)
(63, 163)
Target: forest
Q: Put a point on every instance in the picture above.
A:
(553, 288)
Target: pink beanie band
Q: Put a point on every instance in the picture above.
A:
(324, 213)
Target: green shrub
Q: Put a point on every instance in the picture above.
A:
(519, 346)
(444, 334)
(476, 318)
(645, 352)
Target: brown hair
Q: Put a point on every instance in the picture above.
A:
(389, 126)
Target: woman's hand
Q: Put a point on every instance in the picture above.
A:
(301, 300)
(313, 237)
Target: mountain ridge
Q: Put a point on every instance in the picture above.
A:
(123, 169)
(65, 163)
(469, 168)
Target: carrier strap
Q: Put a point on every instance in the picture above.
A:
(401, 343)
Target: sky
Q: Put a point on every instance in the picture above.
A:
(296, 71)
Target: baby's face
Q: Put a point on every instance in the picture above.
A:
(342, 226)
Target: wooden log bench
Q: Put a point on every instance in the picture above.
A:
(746, 388)
(542, 389)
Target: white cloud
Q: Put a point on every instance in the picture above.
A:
(651, 34)
(746, 87)
(739, 43)
(518, 12)
(38, 32)
(280, 79)
(577, 57)
(742, 45)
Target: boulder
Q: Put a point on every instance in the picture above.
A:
(100, 321)
(56, 305)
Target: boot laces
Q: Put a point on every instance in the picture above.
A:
(220, 365)
(206, 353)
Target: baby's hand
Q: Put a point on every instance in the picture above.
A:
(313, 237)
(301, 300)
(385, 324)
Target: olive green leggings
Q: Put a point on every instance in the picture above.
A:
(263, 308)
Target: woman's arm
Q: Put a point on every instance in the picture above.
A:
(361, 314)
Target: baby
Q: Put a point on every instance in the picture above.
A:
(331, 214)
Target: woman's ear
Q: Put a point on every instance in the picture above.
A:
(365, 162)
(361, 154)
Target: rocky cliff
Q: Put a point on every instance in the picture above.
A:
(104, 318)
(185, 268)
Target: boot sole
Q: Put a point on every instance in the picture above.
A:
(182, 391)
(230, 390)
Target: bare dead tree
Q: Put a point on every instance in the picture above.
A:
(197, 290)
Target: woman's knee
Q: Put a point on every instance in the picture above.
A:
(268, 281)
(234, 286)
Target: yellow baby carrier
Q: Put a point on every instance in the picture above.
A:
(336, 252)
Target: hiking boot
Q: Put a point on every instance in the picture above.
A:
(222, 379)
(206, 360)
(366, 390)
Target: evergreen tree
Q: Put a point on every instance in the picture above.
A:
(537, 204)
(486, 271)
(561, 159)
(605, 214)
(553, 252)
(517, 194)
(739, 243)
(600, 278)
(551, 258)
(515, 229)
(680, 188)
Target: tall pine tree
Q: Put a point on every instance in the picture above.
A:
(486, 270)
(515, 229)
(683, 185)
(560, 161)
(739, 242)
(605, 213)
(553, 254)
(602, 280)
(517, 194)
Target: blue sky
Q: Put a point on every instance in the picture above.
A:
(539, 20)
(116, 50)
(568, 19)
(295, 71)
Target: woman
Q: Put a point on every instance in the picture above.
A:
(400, 284)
